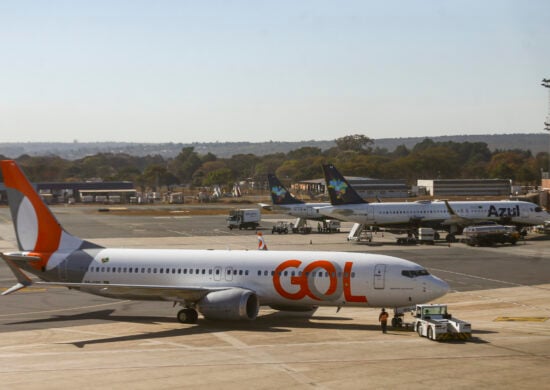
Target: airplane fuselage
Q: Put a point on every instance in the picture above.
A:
(278, 278)
(302, 210)
(436, 213)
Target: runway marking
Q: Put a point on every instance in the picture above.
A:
(180, 233)
(27, 290)
(521, 319)
(479, 277)
(64, 309)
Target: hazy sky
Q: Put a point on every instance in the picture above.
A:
(185, 71)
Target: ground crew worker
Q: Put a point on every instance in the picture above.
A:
(383, 318)
(261, 243)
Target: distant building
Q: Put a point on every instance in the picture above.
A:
(365, 187)
(98, 192)
(466, 187)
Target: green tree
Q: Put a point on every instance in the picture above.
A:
(355, 142)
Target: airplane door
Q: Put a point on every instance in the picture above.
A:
(229, 273)
(217, 273)
(370, 213)
(379, 276)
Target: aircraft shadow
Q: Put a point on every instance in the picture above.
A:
(272, 322)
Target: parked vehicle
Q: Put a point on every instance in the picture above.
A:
(243, 219)
(280, 227)
(434, 322)
(485, 235)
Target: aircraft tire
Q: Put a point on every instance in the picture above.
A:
(187, 316)
(430, 333)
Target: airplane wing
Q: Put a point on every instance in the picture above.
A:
(168, 293)
(456, 219)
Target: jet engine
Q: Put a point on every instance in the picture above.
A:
(231, 304)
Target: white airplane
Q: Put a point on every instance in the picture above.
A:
(220, 284)
(451, 216)
(283, 201)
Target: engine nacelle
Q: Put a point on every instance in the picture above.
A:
(231, 304)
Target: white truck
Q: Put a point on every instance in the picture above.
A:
(426, 236)
(434, 322)
(243, 219)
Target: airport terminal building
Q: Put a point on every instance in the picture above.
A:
(366, 187)
(466, 187)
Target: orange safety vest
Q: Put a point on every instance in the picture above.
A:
(383, 317)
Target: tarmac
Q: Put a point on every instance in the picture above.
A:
(55, 337)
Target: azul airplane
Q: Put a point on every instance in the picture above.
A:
(451, 216)
(220, 284)
(284, 201)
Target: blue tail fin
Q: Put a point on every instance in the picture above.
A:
(279, 194)
(339, 190)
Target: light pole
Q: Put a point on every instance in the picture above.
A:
(546, 84)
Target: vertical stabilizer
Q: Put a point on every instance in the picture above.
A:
(339, 190)
(36, 228)
(279, 194)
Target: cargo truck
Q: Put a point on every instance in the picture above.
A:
(243, 219)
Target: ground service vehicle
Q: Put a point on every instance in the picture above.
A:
(244, 219)
(328, 226)
(434, 322)
(426, 236)
(490, 235)
(280, 227)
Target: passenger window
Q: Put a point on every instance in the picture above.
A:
(161, 270)
(154, 270)
(246, 273)
(217, 272)
(259, 273)
(210, 271)
(240, 272)
(203, 271)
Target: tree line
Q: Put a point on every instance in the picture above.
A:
(353, 155)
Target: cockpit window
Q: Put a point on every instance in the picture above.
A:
(414, 273)
(538, 209)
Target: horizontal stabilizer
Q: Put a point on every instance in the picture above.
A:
(22, 279)
(19, 257)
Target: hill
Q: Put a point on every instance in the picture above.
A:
(537, 142)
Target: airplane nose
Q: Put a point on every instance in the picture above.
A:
(438, 287)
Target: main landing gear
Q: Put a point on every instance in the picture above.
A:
(187, 316)
(451, 238)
